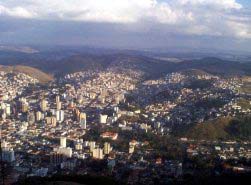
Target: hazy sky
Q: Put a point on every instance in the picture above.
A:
(214, 24)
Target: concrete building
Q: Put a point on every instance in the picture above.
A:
(24, 107)
(31, 118)
(67, 152)
(82, 120)
(59, 105)
(97, 153)
(107, 148)
(60, 116)
(8, 153)
(92, 145)
(38, 116)
(63, 142)
(43, 105)
(103, 118)
(51, 121)
(57, 98)
(7, 109)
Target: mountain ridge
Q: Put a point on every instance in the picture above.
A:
(59, 63)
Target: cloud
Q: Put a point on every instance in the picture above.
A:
(196, 17)
(110, 10)
(15, 12)
(216, 4)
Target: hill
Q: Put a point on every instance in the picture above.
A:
(217, 66)
(192, 72)
(222, 128)
(33, 72)
(210, 130)
(21, 49)
(62, 61)
(152, 67)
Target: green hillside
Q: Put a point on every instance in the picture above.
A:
(223, 128)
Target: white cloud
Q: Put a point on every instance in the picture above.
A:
(15, 12)
(201, 17)
(240, 29)
(217, 4)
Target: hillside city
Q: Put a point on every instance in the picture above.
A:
(119, 124)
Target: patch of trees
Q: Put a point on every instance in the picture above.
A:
(240, 128)
(199, 84)
(223, 128)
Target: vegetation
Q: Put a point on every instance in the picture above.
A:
(246, 88)
(69, 62)
(240, 128)
(223, 128)
(194, 72)
(209, 103)
(244, 103)
(209, 130)
(199, 84)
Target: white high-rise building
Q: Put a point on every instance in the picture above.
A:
(7, 109)
(82, 120)
(92, 145)
(78, 146)
(98, 153)
(63, 142)
(59, 105)
(103, 118)
(43, 105)
(107, 148)
(60, 115)
(38, 115)
(131, 149)
(83, 123)
(82, 116)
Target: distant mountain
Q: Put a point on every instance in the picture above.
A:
(78, 63)
(21, 49)
(217, 66)
(150, 66)
(33, 72)
(62, 61)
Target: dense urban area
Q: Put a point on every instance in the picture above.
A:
(117, 124)
(125, 92)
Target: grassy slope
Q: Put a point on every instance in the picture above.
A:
(222, 128)
(33, 72)
(210, 130)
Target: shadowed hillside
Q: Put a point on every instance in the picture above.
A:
(60, 62)
(191, 72)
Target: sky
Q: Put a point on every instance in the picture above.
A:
(138, 24)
